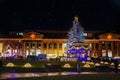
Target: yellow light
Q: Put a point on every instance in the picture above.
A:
(10, 65)
(109, 36)
(112, 64)
(87, 65)
(76, 18)
(97, 64)
(27, 65)
(106, 63)
(67, 65)
(32, 35)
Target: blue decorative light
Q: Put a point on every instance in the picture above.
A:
(73, 51)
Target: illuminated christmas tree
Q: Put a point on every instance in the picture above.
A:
(76, 33)
(76, 46)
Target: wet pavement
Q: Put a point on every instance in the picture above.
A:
(20, 75)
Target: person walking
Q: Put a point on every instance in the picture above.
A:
(1, 63)
(116, 65)
(78, 67)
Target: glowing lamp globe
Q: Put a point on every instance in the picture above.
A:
(109, 36)
(32, 36)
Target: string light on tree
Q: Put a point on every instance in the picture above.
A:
(76, 41)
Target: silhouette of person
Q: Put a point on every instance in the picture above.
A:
(1, 63)
(116, 65)
(78, 68)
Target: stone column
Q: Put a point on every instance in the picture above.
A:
(94, 51)
(35, 47)
(100, 48)
(106, 48)
(52, 47)
(57, 49)
(41, 47)
(24, 49)
(47, 44)
(117, 48)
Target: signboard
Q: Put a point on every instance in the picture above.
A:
(109, 53)
(104, 53)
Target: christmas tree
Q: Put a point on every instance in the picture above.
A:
(76, 46)
(76, 33)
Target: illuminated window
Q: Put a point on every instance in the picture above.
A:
(38, 45)
(21, 33)
(50, 45)
(109, 45)
(85, 34)
(103, 45)
(91, 45)
(60, 45)
(55, 45)
(65, 45)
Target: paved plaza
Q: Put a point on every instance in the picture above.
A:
(21, 75)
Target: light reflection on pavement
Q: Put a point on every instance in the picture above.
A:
(20, 75)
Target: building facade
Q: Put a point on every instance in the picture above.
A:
(53, 43)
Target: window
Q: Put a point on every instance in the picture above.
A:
(90, 45)
(38, 45)
(55, 45)
(109, 45)
(27, 44)
(85, 34)
(103, 45)
(20, 33)
(50, 45)
(60, 45)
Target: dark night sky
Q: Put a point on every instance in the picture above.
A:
(58, 14)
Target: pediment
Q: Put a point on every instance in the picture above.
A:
(35, 34)
(109, 36)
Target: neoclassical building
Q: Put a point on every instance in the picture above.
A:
(53, 43)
